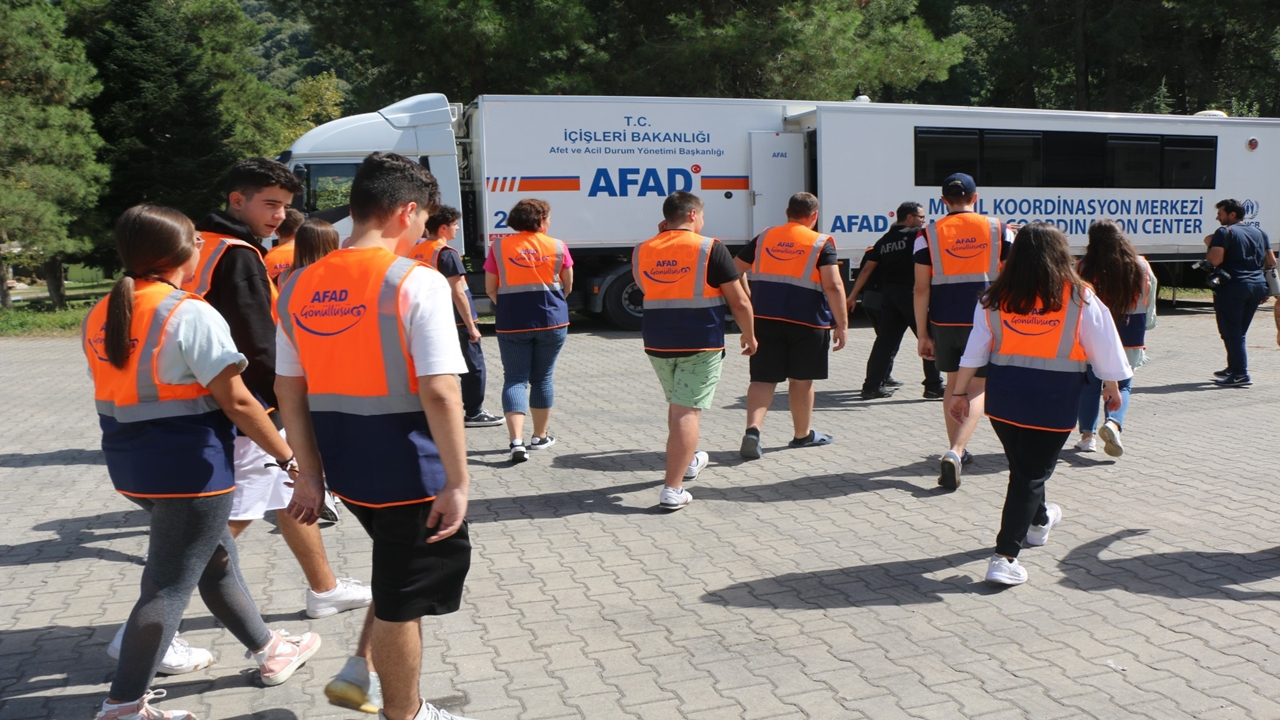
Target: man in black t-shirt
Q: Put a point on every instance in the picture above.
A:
(890, 264)
(1243, 251)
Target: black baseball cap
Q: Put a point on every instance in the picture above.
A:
(958, 185)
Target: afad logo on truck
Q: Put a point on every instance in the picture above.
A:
(621, 182)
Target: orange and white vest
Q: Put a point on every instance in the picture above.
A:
(428, 252)
(785, 282)
(682, 313)
(965, 250)
(530, 296)
(279, 260)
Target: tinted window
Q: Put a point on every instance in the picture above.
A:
(1075, 159)
(330, 185)
(1133, 161)
(1190, 162)
(1011, 158)
(942, 151)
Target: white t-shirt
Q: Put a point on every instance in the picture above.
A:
(426, 311)
(1098, 337)
(196, 346)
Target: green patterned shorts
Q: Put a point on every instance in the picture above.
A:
(690, 381)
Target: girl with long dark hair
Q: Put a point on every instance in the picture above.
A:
(1036, 329)
(1124, 282)
(167, 385)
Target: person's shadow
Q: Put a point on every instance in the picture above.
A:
(77, 537)
(1177, 575)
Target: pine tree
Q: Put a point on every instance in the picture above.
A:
(48, 172)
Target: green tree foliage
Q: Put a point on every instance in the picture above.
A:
(48, 170)
(823, 49)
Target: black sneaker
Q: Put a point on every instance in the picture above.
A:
(481, 419)
(542, 443)
(1222, 373)
(935, 393)
(1234, 381)
(519, 453)
(880, 392)
(966, 458)
(890, 382)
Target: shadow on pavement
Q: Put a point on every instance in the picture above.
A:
(75, 538)
(1175, 388)
(55, 458)
(1184, 574)
(562, 504)
(901, 582)
(633, 460)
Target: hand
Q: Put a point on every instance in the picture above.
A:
(749, 345)
(1013, 226)
(308, 497)
(925, 347)
(840, 336)
(851, 302)
(958, 407)
(447, 513)
(1111, 394)
(473, 334)
(662, 226)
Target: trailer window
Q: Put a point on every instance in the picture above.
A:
(1028, 158)
(330, 185)
(942, 151)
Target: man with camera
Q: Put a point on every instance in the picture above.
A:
(1237, 255)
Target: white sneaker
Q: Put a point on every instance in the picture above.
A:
(350, 594)
(1088, 443)
(673, 498)
(1110, 434)
(356, 688)
(1038, 535)
(1005, 572)
(430, 712)
(141, 709)
(179, 659)
(700, 460)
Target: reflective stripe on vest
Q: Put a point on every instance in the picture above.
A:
(427, 252)
(133, 393)
(514, 278)
(990, 265)
(400, 392)
(807, 275)
(701, 295)
(212, 248)
(682, 313)
(1059, 348)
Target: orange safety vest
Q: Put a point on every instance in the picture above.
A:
(160, 440)
(530, 296)
(785, 282)
(278, 261)
(428, 252)
(1037, 365)
(342, 314)
(965, 250)
(682, 313)
(213, 247)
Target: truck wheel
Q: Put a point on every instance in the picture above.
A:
(624, 302)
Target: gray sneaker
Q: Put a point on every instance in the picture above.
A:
(482, 419)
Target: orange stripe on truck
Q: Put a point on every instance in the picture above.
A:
(550, 184)
(726, 182)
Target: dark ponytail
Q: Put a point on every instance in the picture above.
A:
(153, 241)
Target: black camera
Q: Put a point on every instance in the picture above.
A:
(1214, 275)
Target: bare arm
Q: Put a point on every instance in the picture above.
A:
(1270, 260)
(740, 306)
(924, 280)
(491, 286)
(864, 274)
(743, 268)
(458, 287)
(295, 410)
(243, 409)
(833, 288)
(566, 280)
(1216, 255)
(442, 402)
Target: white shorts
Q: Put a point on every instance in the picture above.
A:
(258, 488)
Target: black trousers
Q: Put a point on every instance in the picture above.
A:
(896, 315)
(473, 381)
(1031, 454)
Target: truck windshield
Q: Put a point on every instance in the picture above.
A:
(329, 185)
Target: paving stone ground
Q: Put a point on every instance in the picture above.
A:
(834, 582)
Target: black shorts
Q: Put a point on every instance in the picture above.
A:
(789, 351)
(412, 578)
(949, 342)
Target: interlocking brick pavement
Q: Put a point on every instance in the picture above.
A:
(834, 582)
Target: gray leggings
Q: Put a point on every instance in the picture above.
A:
(190, 548)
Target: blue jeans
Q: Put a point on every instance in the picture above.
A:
(1234, 305)
(528, 361)
(1091, 396)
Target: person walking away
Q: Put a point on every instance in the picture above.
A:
(280, 257)
(1036, 329)
(890, 264)
(528, 275)
(436, 253)
(167, 385)
(1242, 252)
(232, 277)
(688, 281)
(1124, 282)
(872, 301)
(794, 284)
(367, 355)
(956, 258)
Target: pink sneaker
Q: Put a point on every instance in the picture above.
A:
(140, 710)
(283, 655)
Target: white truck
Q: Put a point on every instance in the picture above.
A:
(605, 164)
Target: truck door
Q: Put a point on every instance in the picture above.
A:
(777, 173)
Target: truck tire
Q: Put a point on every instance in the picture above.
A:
(624, 302)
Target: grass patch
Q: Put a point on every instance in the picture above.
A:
(35, 322)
